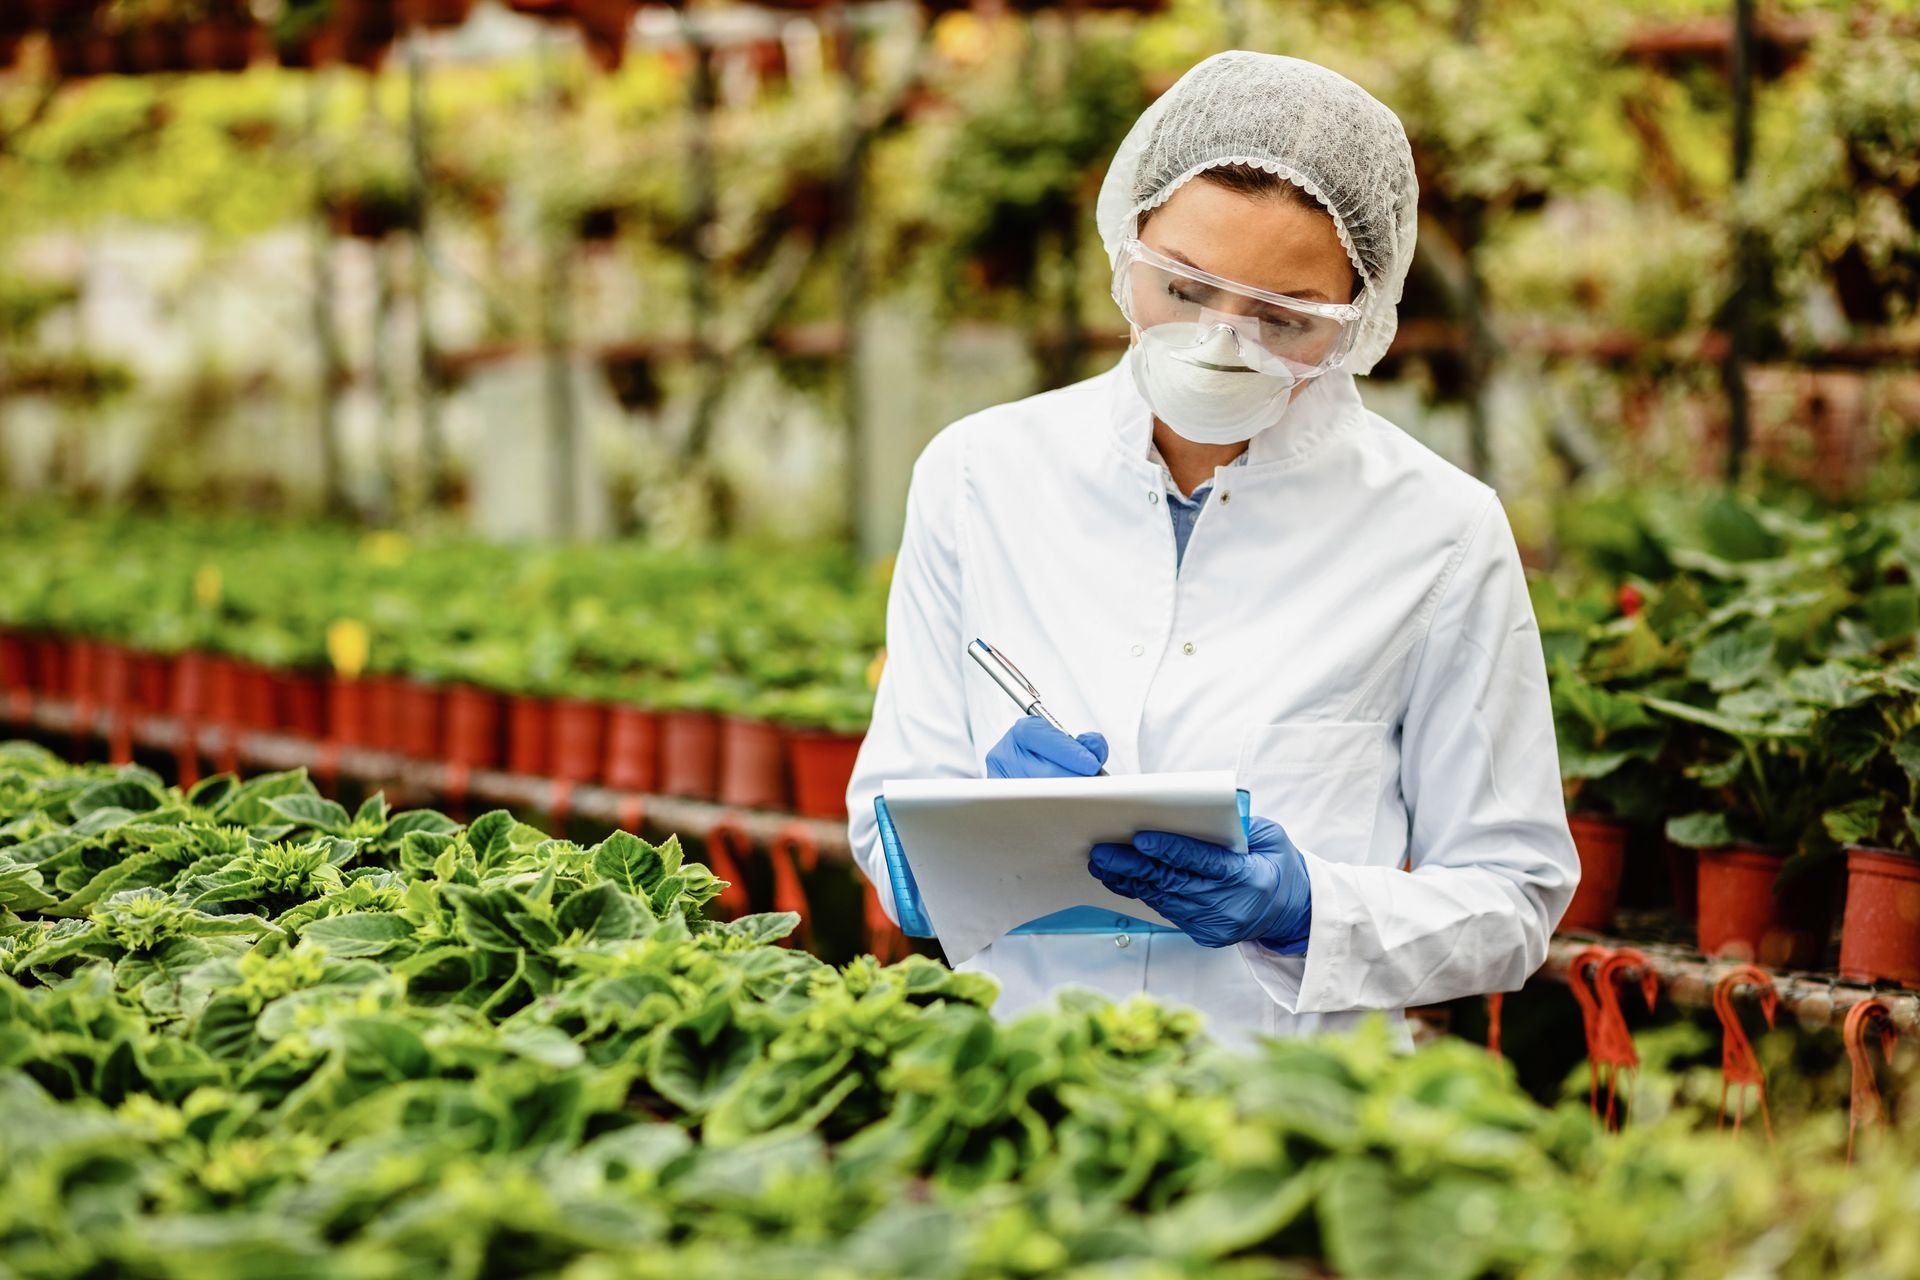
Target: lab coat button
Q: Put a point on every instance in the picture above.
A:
(1121, 940)
(1139, 649)
(1226, 497)
(1187, 647)
(1153, 495)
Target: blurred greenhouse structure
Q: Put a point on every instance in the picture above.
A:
(591, 268)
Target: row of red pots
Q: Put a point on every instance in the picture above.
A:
(734, 760)
(1740, 914)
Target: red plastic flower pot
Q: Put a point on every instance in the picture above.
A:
(301, 700)
(1880, 933)
(753, 764)
(822, 768)
(153, 683)
(253, 685)
(1742, 918)
(348, 717)
(16, 661)
(189, 691)
(633, 748)
(383, 712)
(473, 727)
(690, 754)
(578, 742)
(48, 668)
(1602, 845)
(418, 708)
(113, 676)
(82, 656)
(223, 691)
(527, 735)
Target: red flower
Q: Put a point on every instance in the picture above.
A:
(1630, 599)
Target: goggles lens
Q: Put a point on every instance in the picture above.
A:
(1187, 307)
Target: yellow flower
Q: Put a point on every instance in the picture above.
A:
(207, 585)
(960, 37)
(385, 546)
(347, 645)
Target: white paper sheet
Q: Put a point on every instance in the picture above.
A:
(990, 854)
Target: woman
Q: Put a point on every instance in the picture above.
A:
(1352, 635)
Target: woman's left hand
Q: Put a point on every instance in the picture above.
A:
(1216, 896)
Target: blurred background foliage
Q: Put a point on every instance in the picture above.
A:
(736, 282)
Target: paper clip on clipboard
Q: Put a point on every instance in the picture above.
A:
(906, 894)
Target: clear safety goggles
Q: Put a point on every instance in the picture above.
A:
(1186, 307)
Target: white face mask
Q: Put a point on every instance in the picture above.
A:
(1207, 393)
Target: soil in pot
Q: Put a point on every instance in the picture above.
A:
(1742, 918)
(1880, 933)
(753, 764)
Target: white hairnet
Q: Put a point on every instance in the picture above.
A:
(1299, 121)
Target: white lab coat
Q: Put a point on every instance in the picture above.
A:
(1350, 632)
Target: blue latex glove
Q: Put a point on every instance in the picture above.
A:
(1216, 896)
(1032, 748)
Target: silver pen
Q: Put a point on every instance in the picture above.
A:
(1017, 686)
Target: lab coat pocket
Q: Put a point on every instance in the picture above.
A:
(1320, 780)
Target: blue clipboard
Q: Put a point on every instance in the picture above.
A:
(912, 909)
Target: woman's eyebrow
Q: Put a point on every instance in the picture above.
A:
(1305, 295)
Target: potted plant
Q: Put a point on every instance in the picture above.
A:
(475, 710)
(1765, 887)
(1871, 743)
(753, 763)
(1609, 745)
(633, 734)
(690, 735)
(825, 722)
(577, 721)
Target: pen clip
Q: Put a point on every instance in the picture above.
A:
(1012, 670)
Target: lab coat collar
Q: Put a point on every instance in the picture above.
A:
(1329, 407)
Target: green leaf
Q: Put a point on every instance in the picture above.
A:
(372, 811)
(1831, 685)
(121, 793)
(311, 811)
(417, 821)
(1855, 822)
(1733, 658)
(633, 865)
(603, 913)
(1906, 752)
(359, 933)
(1700, 830)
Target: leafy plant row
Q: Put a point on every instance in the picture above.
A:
(773, 633)
(1740, 672)
(244, 1031)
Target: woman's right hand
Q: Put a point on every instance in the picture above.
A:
(1032, 748)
